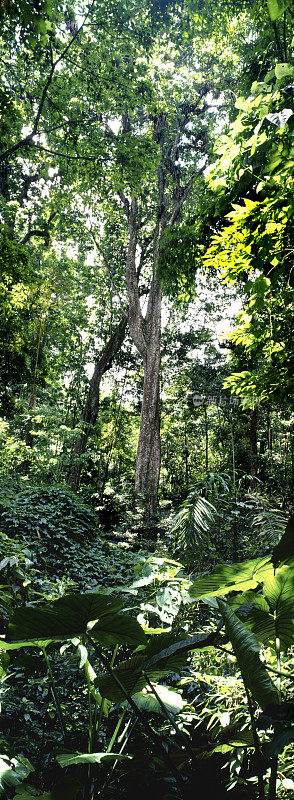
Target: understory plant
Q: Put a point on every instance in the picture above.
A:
(126, 664)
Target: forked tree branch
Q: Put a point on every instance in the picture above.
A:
(26, 139)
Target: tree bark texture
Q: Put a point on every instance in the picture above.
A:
(149, 449)
(91, 407)
(145, 330)
(145, 333)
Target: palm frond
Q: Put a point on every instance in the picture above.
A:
(192, 524)
(269, 523)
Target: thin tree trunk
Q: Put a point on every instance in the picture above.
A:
(253, 445)
(91, 407)
(292, 463)
(234, 507)
(206, 438)
(186, 454)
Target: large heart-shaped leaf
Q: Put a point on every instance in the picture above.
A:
(61, 619)
(67, 790)
(262, 624)
(164, 654)
(284, 550)
(270, 615)
(276, 8)
(232, 578)
(246, 649)
(278, 590)
(118, 629)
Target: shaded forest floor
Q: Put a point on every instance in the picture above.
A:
(54, 545)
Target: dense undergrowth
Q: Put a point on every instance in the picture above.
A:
(87, 707)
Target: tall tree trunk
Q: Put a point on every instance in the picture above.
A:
(206, 438)
(149, 448)
(186, 453)
(234, 504)
(253, 445)
(146, 334)
(292, 461)
(91, 407)
(145, 330)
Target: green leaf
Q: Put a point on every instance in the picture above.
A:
(246, 649)
(12, 772)
(262, 624)
(130, 675)
(279, 742)
(146, 701)
(165, 653)
(231, 578)
(67, 790)
(69, 759)
(61, 619)
(241, 738)
(118, 629)
(176, 650)
(284, 71)
(276, 8)
(4, 645)
(279, 592)
(284, 550)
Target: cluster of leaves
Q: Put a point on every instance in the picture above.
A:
(257, 159)
(258, 611)
(16, 297)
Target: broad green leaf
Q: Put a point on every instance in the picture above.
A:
(276, 8)
(146, 701)
(4, 645)
(284, 550)
(67, 790)
(4, 663)
(232, 740)
(130, 675)
(61, 619)
(247, 600)
(262, 624)
(176, 650)
(118, 629)
(279, 592)
(12, 772)
(246, 649)
(164, 654)
(284, 71)
(241, 738)
(279, 742)
(70, 759)
(232, 578)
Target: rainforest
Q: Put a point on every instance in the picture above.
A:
(146, 399)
